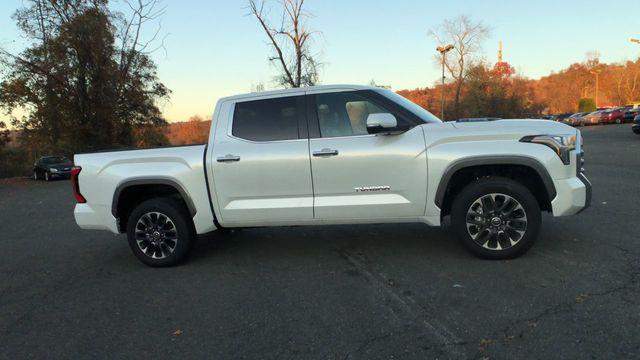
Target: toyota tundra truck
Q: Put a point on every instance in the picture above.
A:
(336, 155)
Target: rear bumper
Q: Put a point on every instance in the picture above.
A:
(95, 217)
(573, 195)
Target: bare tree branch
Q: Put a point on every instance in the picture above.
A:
(299, 67)
(466, 36)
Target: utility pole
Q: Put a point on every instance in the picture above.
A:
(596, 72)
(443, 50)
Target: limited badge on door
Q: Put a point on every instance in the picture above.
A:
(372, 188)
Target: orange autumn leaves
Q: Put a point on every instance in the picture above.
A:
(193, 131)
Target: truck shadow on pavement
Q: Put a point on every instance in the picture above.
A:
(401, 240)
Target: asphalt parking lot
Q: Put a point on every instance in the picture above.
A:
(354, 292)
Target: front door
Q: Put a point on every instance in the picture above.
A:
(261, 169)
(357, 175)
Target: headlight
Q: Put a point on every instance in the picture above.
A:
(560, 144)
(53, 170)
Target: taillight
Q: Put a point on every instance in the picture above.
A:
(75, 171)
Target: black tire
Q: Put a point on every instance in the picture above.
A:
(507, 188)
(177, 214)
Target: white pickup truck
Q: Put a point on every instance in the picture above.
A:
(336, 155)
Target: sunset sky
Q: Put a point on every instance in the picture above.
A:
(214, 49)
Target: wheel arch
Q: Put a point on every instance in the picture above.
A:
(132, 192)
(495, 165)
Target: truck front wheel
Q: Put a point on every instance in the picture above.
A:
(496, 218)
(160, 232)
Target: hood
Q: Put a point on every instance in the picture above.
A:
(512, 129)
(518, 125)
(62, 165)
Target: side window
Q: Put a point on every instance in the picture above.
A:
(266, 120)
(344, 114)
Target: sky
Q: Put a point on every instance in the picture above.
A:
(214, 49)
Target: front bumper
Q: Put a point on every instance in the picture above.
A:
(60, 174)
(573, 195)
(587, 185)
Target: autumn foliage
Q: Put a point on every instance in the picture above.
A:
(193, 131)
(498, 91)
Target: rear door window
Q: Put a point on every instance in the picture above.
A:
(267, 120)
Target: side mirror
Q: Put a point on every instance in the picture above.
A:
(381, 122)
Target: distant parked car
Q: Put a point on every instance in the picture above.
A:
(636, 125)
(52, 167)
(631, 114)
(576, 119)
(594, 118)
(561, 117)
(613, 116)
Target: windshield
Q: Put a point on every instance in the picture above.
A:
(55, 160)
(409, 105)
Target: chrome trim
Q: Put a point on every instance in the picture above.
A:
(228, 158)
(325, 152)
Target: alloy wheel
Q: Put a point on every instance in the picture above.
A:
(156, 235)
(496, 221)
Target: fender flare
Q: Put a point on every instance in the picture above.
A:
(151, 181)
(493, 160)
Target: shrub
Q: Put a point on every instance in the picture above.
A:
(15, 162)
(586, 105)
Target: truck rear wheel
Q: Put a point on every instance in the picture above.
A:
(160, 232)
(496, 218)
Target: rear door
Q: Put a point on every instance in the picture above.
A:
(357, 175)
(261, 169)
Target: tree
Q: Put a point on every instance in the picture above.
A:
(586, 105)
(4, 135)
(373, 83)
(466, 36)
(87, 81)
(563, 90)
(193, 131)
(503, 70)
(626, 82)
(491, 93)
(290, 42)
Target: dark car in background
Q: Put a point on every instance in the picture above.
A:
(636, 124)
(52, 167)
(631, 114)
(561, 117)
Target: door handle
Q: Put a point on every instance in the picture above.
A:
(228, 158)
(326, 152)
